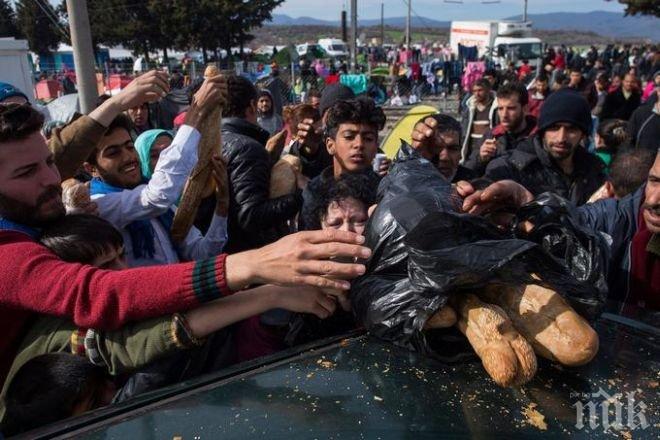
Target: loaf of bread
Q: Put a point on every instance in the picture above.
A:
(294, 161)
(507, 357)
(542, 316)
(443, 318)
(283, 179)
(200, 184)
(275, 144)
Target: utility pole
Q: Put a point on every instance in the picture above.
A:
(354, 35)
(83, 54)
(525, 12)
(382, 24)
(408, 25)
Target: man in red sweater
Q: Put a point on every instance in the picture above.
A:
(33, 280)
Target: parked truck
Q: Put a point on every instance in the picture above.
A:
(500, 41)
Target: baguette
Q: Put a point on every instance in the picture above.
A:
(443, 318)
(542, 316)
(200, 183)
(505, 354)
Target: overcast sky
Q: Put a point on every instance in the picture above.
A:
(439, 10)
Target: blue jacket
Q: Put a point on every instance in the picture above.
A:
(619, 220)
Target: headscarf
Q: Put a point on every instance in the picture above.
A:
(143, 145)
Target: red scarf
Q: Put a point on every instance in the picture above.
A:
(644, 269)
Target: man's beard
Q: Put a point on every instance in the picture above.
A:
(559, 155)
(28, 215)
(516, 125)
(110, 179)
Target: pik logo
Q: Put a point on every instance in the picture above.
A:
(605, 411)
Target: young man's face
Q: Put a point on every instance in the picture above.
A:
(159, 145)
(481, 94)
(575, 78)
(139, 115)
(264, 104)
(510, 112)
(541, 86)
(561, 140)
(30, 191)
(348, 214)
(628, 83)
(117, 162)
(449, 153)
(353, 148)
(315, 102)
(652, 198)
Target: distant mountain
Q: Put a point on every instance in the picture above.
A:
(285, 20)
(609, 24)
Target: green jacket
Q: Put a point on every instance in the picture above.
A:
(120, 351)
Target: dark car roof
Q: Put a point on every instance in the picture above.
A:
(360, 387)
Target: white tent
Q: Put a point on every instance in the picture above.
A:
(14, 66)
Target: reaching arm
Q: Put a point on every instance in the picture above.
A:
(71, 145)
(197, 246)
(173, 167)
(166, 184)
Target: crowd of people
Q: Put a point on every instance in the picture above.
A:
(94, 287)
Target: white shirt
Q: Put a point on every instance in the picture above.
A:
(149, 201)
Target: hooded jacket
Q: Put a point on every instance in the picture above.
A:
(467, 118)
(505, 142)
(270, 121)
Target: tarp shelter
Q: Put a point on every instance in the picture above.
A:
(14, 65)
(63, 108)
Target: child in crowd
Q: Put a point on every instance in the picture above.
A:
(351, 138)
(611, 136)
(52, 387)
(149, 145)
(91, 240)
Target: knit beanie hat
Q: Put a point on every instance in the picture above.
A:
(7, 91)
(565, 105)
(333, 93)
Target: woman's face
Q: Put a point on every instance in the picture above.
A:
(346, 214)
(161, 142)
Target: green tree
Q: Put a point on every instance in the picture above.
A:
(642, 7)
(36, 27)
(8, 27)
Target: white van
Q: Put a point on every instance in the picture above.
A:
(334, 47)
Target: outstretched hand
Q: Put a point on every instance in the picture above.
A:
(299, 259)
(148, 87)
(505, 193)
(423, 138)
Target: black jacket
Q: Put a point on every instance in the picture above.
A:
(532, 167)
(505, 142)
(312, 166)
(254, 219)
(463, 173)
(644, 127)
(616, 106)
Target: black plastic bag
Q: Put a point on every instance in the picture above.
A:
(424, 250)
